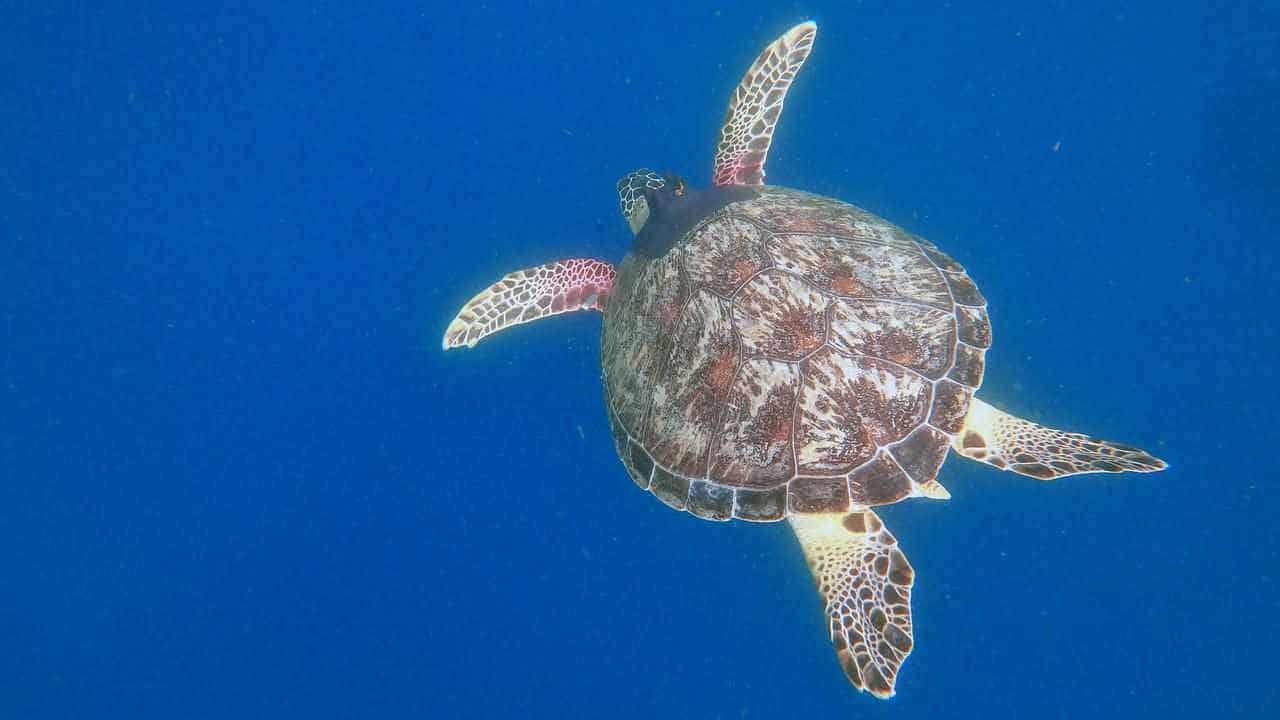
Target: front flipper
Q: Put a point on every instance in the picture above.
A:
(865, 581)
(1011, 443)
(756, 105)
(526, 295)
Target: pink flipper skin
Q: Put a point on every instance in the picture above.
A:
(526, 295)
(755, 107)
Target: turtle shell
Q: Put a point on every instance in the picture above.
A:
(791, 353)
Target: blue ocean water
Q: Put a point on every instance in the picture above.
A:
(241, 479)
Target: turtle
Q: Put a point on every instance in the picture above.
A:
(770, 354)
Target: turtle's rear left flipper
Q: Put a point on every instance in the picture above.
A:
(865, 581)
(1011, 443)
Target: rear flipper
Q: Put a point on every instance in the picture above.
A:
(865, 582)
(1011, 443)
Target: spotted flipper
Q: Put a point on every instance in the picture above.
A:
(1011, 443)
(865, 582)
(756, 105)
(526, 295)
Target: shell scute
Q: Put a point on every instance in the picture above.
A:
(950, 405)
(652, 305)
(755, 447)
(760, 505)
(710, 501)
(969, 365)
(850, 407)
(862, 268)
(819, 494)
(688, 397)
(963, 290)
(922, 453)
(790, 212)
(913, 336)
(779, 315)
(973, 326)
(879, 482)
(640, 464)
(723, 255)
(670, 488)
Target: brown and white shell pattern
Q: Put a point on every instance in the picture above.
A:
(792, 353)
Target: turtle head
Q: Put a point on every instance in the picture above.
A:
(643, 192)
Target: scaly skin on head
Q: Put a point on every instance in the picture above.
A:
(631, 200)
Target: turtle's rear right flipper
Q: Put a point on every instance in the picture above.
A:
(1011, 443)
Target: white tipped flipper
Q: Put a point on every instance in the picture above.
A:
(997, 438)
(526, 295)
(865, 582)
(756, 105)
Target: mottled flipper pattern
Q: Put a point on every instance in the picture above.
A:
(526, 295)
(865, 582)
(755, 107)
(1011, 443)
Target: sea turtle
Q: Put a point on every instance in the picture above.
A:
(771, 354)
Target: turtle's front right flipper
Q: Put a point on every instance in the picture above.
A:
(1011, 443)
(526, 295)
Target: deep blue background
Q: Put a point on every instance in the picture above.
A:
(241, 480)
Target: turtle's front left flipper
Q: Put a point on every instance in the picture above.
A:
(865, 582)
(997, 438)
(526, 295)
